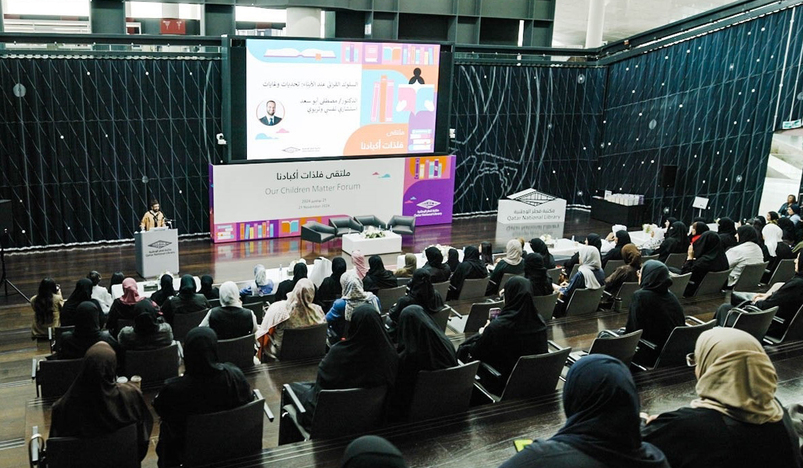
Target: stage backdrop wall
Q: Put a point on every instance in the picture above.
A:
(258, 201)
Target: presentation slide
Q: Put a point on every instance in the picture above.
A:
(308, 99)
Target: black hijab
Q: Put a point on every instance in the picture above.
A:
(200, 352)
(788, 228)
(422, 292)
(117, 278)
(166, 290)
(622, 239)
(655, 277)
(539, 247)
(147, 318)
(671, 220)
(486, 255)
(727, 232)
(747, 234)
(709, 254)
(454, 259)
(82, 293)
(338, 268)
(602, 414)
(678, 238)
(535, 272)
(422, 345)
(372, 452)
(699, 228)
(519, 307)
(207, 290)
(299, 273)
(594, 240)
(330, 288)
(87, 321)
(287, 286)
(434, 257)
(187, 286)
(378, 277)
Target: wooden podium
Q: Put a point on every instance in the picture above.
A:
(156, 252)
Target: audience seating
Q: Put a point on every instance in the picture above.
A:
(153, 365)
(478, 316)
(533, 376)
(505, 279)
(621, 302)
(345, 225)
(621, 347)
(441, 318)
(443, 392)
(118, 449)
(442, 288)
(792, 332)
(545, 305)
(404, 225)
(258, 308)
(680, 343)
(53, 378)
(371, 220)
(611, 266)
(712, 283)
(122, 323)
(755, 323)
(54, 334)
(183, 323)
(679, 283)
(584, 301)
(313, 231)
(676, 260)
(303, 343)
(214, 303)
(238, 351)
(387, 297)
(575, 269)
(338, 412)
(215, 437)
(645, 258)
(783, 272)
(474, 288)
(554, 274)
(750, 278)
(403, 281)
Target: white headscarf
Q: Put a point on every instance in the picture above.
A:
(772, 234)
(260, 276)
(589, 262)
(229, 294)
(320, 270)
(513, 252)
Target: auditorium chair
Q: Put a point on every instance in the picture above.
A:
(183, 323)
(477, 316)
(679, 283)
(584, 301)
(783, 272)
(153, 365)
(712, 283)
(533, 376)
(505, 278)
(338, 413)
(554, 274)
(345, 225)
(388, 296)
(681, 342)
(442, 392)
(404, 225)
(258, 308)
(754, 323)
(474, 288)
(611, 266)
(225, 435)
(371, 220)
(622, 347)
(303, 343)
(441, 317)
(118, 449)
(54, 335)
(792, 331)
(621, 301)
(575, 269)
(214, 303)
(676, 260)
(442, 288)
(750, 278)
(545, 305)
(313, 231)
(53, 378)
(238, 351)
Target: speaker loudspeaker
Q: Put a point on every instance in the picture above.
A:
(668, 175)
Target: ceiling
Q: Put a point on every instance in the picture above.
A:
(623, 18)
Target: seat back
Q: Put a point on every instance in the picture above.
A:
(712, 283)
(214, 303)
(348, 411)
(545, 305)
(584, 301)
(371, 220)
(680, 343)
(478, 315)
(505, 279)
(238, 351)
(258, 308)
(644, 258)
(443, 392)
(118, 449)
(750, 278)
(345, 225)
(403, 281)
(442, 288)
(625, 295)
(783, 272)
(676, 260)
(474, 288)
(755, 323)
(57, 332)
(554, 274)
(53, 378)
(121, 323)
(441, 317)
(388, 297)
(402, 224)
(679, 284)
(574, 271)
(611, 266)
(621, 347)
(313, 231)
(794, 330)
(183, 323)
(153, 365)
(215, 437)
(535, 375)
(303, 343)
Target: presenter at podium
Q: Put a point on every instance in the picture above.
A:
(153, 218)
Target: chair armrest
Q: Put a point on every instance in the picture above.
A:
(494, 373)
(265, 408)
(33, 368)
(695, 320)
(493, 398)
(49, 333)
(456, 313)
(777, 319)
(638, 366)
(648, 344)
(180, 349)
(35, 446)
(294, 399)
(553, 345)
(606, 293)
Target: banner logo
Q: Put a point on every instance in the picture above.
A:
(428, 204)
(159, 244)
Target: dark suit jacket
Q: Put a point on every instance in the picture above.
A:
(265, 120)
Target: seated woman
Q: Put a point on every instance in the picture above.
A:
(365, 359)
(736, 413)
(262, 285)
(342, 309)
(593, 240)
(378, 277)
(285, 287)
(420, 292)
(207, 289)
(622, 238)
(510, 263)
(74, 343)
(535, 272)
(654, 309)
(539, 247)
(453, 260)
(486, 255)
(676, 240)
(358, 262)
(439, 271)
(149, 330)
(207, 386)
(790, 200)
(774, 249)
(186, 302)
(81, 294)
(230, 319)
(166, 290)
(518, 331)
(745, 252)
(472, 267)
(705, 255)
(298, 311)
(46, 305)
(696, 230)
(96, 405)
(727, 233)
(627, 273)
(588, 276)
(422, 347)
(330, 288)
(602, 423)
(410, 265)
(123, 306)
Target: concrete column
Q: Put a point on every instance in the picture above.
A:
(218, 20)
(596, 20)
(303, 22)
(107, 16)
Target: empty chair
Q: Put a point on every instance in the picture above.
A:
(624, 296)
(402, 224)
(679, 283)
(153, 365)
(621, 347)
(387, 297)
(750, 278)
(338, 412)
(584, 301)
(533, 376)
(676, 260)
(345, 225)
(441, 318)
(712, 283)
(371, 220)
(118, 449)
(680, 343)
(756, 323)
(554, 274)
(442, 288)
(478, 315)
(303, 343)
(783, 272)
(53, 378)
(183, 323)
(238, 351)
(474, 288)
(545, 305)
(793, 331)
(611, 266)
(443, 392)
(313, 231)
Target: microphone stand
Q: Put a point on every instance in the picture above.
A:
(4, 281)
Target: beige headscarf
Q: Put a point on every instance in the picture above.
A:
(410, 265)
(513, 252)
(303, 312)
(736, 377)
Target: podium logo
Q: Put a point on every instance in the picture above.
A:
(159, 244)
(427, 204)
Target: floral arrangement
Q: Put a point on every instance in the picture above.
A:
(371, 232)
(649, 228)
(548, 240)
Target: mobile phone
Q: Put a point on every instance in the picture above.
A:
(493, 313)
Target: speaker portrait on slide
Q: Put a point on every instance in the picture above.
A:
(271, 113)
